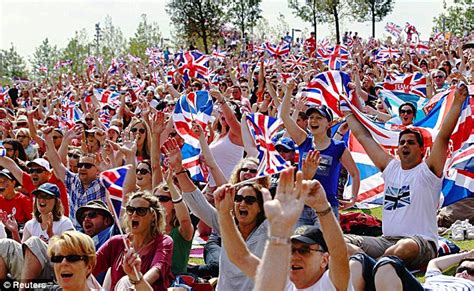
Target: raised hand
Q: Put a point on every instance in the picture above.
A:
(157, 122)
(172, 150)
(316, 196)
(284, 210)
(131, 262)
(224, 198)
(310, 164)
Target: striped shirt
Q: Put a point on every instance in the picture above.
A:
(436, 281)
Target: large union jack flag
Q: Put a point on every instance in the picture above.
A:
(296, 62)
(192, 64)
(388, 53)
(277, 50)
(114, 180)
(409, 83)
(335, 57)
(194, 107)
(263, 129)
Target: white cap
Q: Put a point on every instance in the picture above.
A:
(40, 162)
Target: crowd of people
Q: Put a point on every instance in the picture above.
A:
(58, 223)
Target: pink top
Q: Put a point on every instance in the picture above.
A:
(157, 253)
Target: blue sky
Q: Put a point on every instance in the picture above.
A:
(28, 23)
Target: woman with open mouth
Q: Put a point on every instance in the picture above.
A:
(144, 223)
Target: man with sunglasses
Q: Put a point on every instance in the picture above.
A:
(411, 190)
(439, 81)
(83, 186)
(37, 173)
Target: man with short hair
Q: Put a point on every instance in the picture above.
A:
(96, 221)
(439, 81)
(286, 147)
(411, 191)
(13, 202)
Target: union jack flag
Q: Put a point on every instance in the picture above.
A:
(133, 59)
(113, 180)
(388, 53)
(106, 96)
(277, 50)
(393, 100)
(397, 198)
(192, 64)
(410, 83)
(393, 29)
(296, 62)
(263, 129)
(421, 47)
(62, 63)
(336, 57)
(194, 107)
(219, 54)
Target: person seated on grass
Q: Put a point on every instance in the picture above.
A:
(311, 259)
(411, 192)
(389, 273)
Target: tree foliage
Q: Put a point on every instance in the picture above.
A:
(77, 49)
(113, 42)
(372, 10)
(12, 64)
(244, 14)
(45, 55)
(197, 19)
(147, 35)
(458, 19)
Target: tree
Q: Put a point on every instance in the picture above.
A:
(263, 30)
(12, 64)
(147, 35)
(197, 19)
(45, 55)
(244, 14)
(458, 19)
(77, 49)
(113, 42)
(377, 9)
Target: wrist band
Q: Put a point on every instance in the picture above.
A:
(177, 200)
(324, 212)
(279, 240)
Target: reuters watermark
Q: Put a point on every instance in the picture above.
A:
(27, 285)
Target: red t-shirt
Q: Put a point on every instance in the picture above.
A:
(22, 204)
(27, 183)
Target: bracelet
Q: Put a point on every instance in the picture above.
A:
(177, 200)
(140, 277)
(324, 212)
(279, 240)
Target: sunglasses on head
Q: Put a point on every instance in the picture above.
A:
(73, 156)
(140, 130)
(35, 170)
(406, 111)
(69, 258)
(252, 171)
(163, 198)
(249, 200)
(141, 211)
(142, 171)
(85, 165)
(90, 214)
(461, 269)
(304, 251)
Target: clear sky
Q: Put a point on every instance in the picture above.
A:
(27, 23)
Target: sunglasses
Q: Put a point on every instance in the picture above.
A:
(142, 171)
(249, 200)
(304, 251)
(35, 170)
(461, 269)
(140, 130)
(163, 198)
(252, 171)
(141, 211)
(284, 150)
(406, 112)
(85, 165)
(69, 258)
(56, 137)
(21, 136)
(90, 214)
(89, 119)
(73, 156)
(439, 76)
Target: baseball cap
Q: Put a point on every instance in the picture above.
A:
(47, 188)
(7, 174)
(114, 127)
(310, 235)
(40, 162)
(287, 143)
(322, 110)
(94, 205)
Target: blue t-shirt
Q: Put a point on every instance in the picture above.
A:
(329, 167)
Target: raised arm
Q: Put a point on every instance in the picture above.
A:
(445, 262)
(438, 154)
(54, 159)
(9, 164)
(229, 114)
(157, 122)
(295, 132)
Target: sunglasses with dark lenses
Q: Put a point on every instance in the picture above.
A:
(141, 211)
(56, 137)
(35, 170)
(253, 171)
(249, 200)
(89, 119)
(163, 198)
(85, 165)
(439, 76)
(304, 251)
(142, 171)
(406, 111)
(69, 258)
(140, 130)
(73, 156)
(90, 214)
(461, 269)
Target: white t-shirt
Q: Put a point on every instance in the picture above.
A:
(60, 226)
(435, 280)
(323, 284)
(410, 201)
